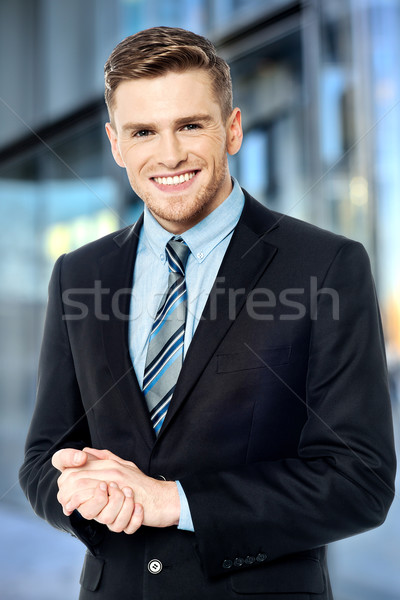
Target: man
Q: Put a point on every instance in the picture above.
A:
(224, 475)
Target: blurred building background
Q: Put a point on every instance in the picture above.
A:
(319, 85)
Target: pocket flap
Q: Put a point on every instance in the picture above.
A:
(91, 572)
(260, 358)
(300, 575)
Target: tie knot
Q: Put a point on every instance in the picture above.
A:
(177, 252)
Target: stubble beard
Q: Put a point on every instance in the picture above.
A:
(180, 209)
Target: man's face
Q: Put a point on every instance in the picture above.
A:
(169, 134)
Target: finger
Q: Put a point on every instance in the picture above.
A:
(83, 495)
(106, 455)
(70, 486)
(124, 516)
(94, 506)
(136, 520)
(115, 502)
(91, 458)
(68, 457)
(100, 470)
(101, 454)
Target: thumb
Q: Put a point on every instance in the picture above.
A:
(68, 457)
(101, 454)
(104, 455)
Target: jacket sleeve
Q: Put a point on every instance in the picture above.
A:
(59, 421)
(342, 480)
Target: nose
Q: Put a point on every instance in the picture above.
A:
(171, 151)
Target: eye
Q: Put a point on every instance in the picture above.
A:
(142, 133)
(191, 127)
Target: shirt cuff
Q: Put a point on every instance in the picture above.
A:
(185, 519)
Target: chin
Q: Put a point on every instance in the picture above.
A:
(176, 211)
(177, 217)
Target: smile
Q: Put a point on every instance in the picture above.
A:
(176, 179)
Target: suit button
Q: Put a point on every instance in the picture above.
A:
(261, 557)
(238, 562)
(249, 560)
(227, 564)
(155, 566)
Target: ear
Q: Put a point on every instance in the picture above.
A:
(234, 132)
(112, 136)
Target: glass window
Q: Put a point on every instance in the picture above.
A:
(141, 14)
(267, 87)
(51, 202)
(224, 11)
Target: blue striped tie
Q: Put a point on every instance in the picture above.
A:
(165, 350)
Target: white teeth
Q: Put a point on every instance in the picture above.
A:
(175, 179)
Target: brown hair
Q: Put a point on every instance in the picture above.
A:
(159, 50)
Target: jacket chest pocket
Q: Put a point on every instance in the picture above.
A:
(257, 358)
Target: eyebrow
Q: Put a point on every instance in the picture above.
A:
(201, 118)
(204, 118)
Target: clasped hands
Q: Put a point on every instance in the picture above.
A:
(112, 491)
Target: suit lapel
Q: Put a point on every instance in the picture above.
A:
(116, 274)
(246, 259)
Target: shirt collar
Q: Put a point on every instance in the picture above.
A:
(203, 237)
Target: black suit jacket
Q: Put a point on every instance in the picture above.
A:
(279, 429)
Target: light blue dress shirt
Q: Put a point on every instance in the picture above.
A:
(208, 241)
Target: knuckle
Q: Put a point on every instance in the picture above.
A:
(88, 511)
(116, 497)
(73, 476)
(119, 494)
(134, 524)
(75, 499)
(132, 528)
(100, 495)
(108, 520)
(115, 473)
(84, 511)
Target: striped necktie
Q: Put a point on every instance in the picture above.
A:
(165, 350)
